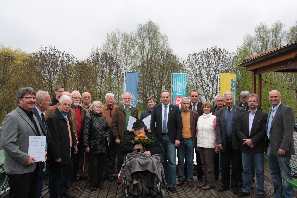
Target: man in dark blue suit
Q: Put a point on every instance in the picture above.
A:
(43, 100)
(166, 127)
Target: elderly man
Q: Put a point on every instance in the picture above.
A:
(109, 110)
(86, 100)
(43, 100)
(243, 100)
(79, 114)
(228, 141)
(120, 121)
(22, 170)
(280, 127)
(60, 142)
(186, 148)
(251, 132)
(166, 127)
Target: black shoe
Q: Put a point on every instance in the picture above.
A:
(172, 189)
(243, 194)
(235, 191)
(260, 195)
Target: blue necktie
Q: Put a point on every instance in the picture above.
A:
(164, 123)
(271, 116)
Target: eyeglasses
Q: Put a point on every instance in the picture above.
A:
(194, 96)
(29, 97)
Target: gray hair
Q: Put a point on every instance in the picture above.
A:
(24, 91)
(244, 93)
(218, 96)
(228, 93)
(109, 95)
(126, 93)
(94, 103)
(40, 95)
(75, 93)
(64, 98)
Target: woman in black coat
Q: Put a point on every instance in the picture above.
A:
(96, 133)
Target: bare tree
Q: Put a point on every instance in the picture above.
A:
(204, 67)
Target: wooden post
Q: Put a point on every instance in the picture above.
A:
(260, 89)
(254, 82)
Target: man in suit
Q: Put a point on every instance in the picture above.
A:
(18, 125)
(280, 127)
(43, 100)
(60, 142)
(196, 106)
(166, 127)
(120, 121)
(228, 142)
(251, 133)
(186, 148)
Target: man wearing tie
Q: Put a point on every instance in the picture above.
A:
(251, 133)
(280, 129)
(43, 100)
(17, 127)
(166, 127)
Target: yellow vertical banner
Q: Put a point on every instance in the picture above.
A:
(227, 82)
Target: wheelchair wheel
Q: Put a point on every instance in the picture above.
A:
(4, 187)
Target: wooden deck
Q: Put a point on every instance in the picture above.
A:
(112, 190)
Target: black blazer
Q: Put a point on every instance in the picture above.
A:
(174, 123)
(221, 128)
(281, 132)
(58, 139)
(258, 131)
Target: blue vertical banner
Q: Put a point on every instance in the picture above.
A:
(131, 85)
(178, 87)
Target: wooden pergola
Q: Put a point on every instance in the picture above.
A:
(283, 59)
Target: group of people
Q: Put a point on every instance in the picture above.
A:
(90, 139)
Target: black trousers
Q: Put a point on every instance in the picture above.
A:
(78, 160)
(59, 179)
(97, 168)
(231, 163)
(199, 164)
(24, 185)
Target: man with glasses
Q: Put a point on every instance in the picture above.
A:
(18, 125)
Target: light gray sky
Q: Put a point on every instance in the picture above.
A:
(78, 26)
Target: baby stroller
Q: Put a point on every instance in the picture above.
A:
(142, 176)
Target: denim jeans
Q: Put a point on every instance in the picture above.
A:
(280, 173)
(250, 161)
(169, 161)
(185, 160)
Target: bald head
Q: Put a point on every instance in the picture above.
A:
(274, 97)
(228, 98)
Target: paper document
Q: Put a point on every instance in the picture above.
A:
(147, 122)
(37, 148)
(130, 123)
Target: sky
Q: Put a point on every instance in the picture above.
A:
(78, 26)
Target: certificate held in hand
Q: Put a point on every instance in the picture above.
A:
(37, 148)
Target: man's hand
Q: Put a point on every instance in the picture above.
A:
(248, 142)
(177, 143)
(218, 148)
(29, 161)
(117, 140)
(87, 149)
(59, 160)
(281, 152)
(75, 149)
(148, 153)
